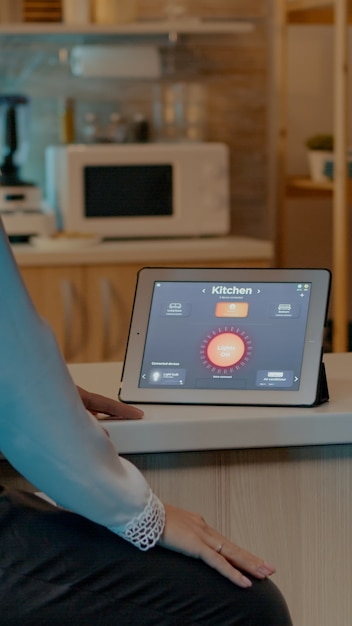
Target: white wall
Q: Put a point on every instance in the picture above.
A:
(310, 111)
(310, 92)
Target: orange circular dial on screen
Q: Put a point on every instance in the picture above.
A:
(225, 349)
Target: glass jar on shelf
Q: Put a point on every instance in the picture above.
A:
(179, 111)
(91, 130)
(118, 129)
(140, 128)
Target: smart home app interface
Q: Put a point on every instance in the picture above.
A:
(226, 335)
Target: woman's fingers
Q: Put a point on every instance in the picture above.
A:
(231, 560)
(113, 409)
(245, 560)
(190, 534)
(218, 562)
(237, 556)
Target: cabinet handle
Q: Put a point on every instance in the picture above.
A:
(111, 301)
(71, 302)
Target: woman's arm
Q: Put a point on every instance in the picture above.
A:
(47, 434)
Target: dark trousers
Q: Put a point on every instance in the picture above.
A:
(58, 568)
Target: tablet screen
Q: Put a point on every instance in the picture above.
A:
(226, 336)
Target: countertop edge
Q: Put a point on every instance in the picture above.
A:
(150, 251)
(234, 427)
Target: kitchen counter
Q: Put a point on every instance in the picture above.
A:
(150, 251)
(275, 480)
(181, 428)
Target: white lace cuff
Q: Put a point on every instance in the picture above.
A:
(145, 530)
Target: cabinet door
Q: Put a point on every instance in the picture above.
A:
(109, 293)
(57, 293)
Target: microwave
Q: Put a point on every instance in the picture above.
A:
(140, 190)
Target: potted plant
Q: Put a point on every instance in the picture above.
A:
(320, 152)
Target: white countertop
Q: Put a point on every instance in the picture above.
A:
(150, 251)
(180, 428)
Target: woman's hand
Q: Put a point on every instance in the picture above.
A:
(97, 404)
(190, 534)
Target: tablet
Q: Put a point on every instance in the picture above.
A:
(227, 336)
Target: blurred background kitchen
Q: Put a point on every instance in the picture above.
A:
(226, 76)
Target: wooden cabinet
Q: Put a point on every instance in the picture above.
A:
(58, 294)
(88, 300)
(338, 13)
(88, 307)
(109, 291)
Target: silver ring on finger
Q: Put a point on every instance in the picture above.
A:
(219, 548)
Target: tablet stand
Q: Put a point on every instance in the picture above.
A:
(322, 387)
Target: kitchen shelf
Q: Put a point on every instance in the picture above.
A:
(306, 187)
(185, 26)
(313, 11)
(303, 186)
(305, 5)
(338, 13)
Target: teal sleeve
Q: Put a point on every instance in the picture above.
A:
(46, 432)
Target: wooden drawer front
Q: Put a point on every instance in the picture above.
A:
(42, 10)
